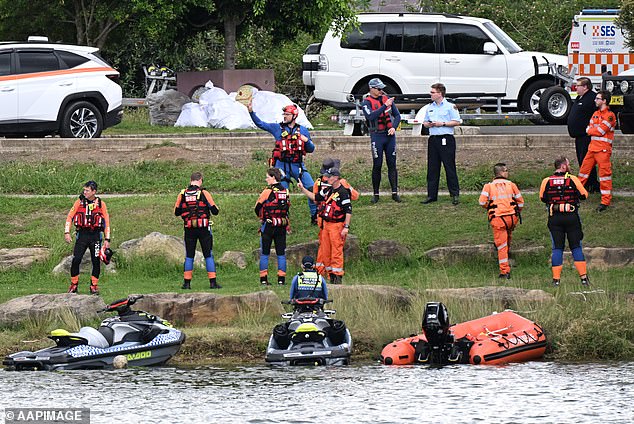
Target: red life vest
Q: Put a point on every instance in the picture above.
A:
(332, 209)
(195, 208)
(291, 147)
(383, 122)
(275, 208)
(561, 190)
(89, 215)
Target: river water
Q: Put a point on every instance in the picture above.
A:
(535, 392)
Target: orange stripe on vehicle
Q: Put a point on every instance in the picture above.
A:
(55, 73)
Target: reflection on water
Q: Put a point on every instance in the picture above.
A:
(538, 392)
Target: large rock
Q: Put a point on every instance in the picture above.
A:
(22, 257)
(385, 250)
(165, 107)
(155, 244)
(210, 308)
(451, 254)
(606, 257)
(86, 265)
(49, 305)
(506, 295)
(238, 259)
(295, 253)
(384, 295)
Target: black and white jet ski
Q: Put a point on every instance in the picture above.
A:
(310, 336)
(142, 338)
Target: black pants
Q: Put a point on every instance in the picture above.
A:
(86, 240)
(192, 236)
(383, 143)
(272, 234)
(441, 153)
(581, 147)
(562, 225)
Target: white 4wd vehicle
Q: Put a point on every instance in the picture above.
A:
(411, 51)
(56, 89)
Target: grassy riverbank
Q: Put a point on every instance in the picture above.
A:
(597, 326)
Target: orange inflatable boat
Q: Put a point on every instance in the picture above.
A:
(496, 339)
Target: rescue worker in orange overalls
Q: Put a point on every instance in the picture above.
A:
(195, 205)
(272, 208)
(335, 221)
(323, 265)
(562, 193)
(90, 216)
(601, 132)
(504, 203)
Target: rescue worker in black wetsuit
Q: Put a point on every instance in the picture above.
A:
(90, 216)
(272, 208)
(195, 205)
(562, 193)
(383, 120)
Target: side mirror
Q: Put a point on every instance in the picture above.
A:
(490, 48)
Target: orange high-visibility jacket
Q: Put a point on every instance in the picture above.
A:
(501, 197)
(601, 130)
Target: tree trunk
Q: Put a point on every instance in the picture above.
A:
(231, 26)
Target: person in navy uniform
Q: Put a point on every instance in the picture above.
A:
(441, 117)
(308, 283)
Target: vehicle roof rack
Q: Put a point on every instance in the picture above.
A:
(600, 11)
(447, 15)
(37, 39)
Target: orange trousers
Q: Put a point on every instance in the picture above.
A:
(503, 227)
(602, 159)
(322, 263)
(331, 247)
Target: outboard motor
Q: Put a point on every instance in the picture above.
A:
(439, 341)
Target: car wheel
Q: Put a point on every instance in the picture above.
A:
(554, 105)
(530, 100)
(81, 120)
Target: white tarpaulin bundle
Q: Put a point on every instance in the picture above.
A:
(217, 109)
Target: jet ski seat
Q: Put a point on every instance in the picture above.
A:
(94, 337)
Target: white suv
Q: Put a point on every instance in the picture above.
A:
(411, 51)
(56, 89)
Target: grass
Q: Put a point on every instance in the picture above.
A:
(57, 177)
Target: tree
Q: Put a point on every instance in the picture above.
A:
(284, 18)
(626, 21)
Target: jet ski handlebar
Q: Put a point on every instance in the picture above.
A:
(122, 305)
(306, 301)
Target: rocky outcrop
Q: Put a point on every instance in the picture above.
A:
(49, 306)
(295, 253)
(238, 259)
(383, 295)
(208, 308)
(165, 107)
(22, 257)
(385, 250)
(451, 254)
(64, 266)
(506, 295)
(606, 257)
(169, 248)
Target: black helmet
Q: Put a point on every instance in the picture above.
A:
(308, 262)
(105, 255)
(329, 163)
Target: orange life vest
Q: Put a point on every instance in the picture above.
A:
(383, 122)
(89, 215)
(276, 207)
(195, 208)
(290, 148)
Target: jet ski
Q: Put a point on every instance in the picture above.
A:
(310, 336)
(141, 338)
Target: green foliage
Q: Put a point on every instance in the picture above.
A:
(626, 21)
(538, 25)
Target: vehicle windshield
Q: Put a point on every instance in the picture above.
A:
(506, 41)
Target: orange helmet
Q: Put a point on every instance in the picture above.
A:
(293, 109)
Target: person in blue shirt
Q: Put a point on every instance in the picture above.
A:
(441, 117)
(308, 283)
(383, 120)
(292, 143)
